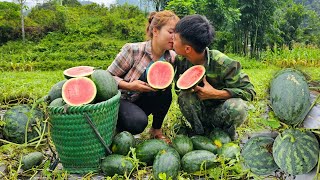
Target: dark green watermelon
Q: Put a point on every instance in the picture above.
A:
(147, 150)
(192, 161)
(57, 102)
(296, 151)
(290, 96)
(167, 162)
(257, 155)
(182, 144)
(229, 150)
(56, 91)
(122, 142)
(203, 143)
(219, 137)
(116, 164)
(106, 85)
(31, 160)
(16, 120)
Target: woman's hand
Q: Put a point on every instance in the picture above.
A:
(140, 86)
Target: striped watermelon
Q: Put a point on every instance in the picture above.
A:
(296, 151)
(290, 96)
(257, 155)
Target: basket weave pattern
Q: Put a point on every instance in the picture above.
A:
(78, 147)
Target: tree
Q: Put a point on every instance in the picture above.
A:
(159, 4)
(22, 7)
(182, 7)
(256, 20)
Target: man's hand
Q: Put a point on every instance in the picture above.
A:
(140, 86)
(209, 92)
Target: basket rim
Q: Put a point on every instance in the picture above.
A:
(72, 109)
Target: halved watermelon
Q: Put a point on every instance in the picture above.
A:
(191, 77)
(160, 75)
(78, 71)
(79, 91)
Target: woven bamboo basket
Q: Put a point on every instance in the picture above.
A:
(78, 147)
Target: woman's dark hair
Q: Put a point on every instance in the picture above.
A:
(196, 31)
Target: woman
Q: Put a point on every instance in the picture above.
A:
(138, 99)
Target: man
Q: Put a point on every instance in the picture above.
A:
(219, 101)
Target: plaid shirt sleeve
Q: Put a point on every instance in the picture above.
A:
(122, 63)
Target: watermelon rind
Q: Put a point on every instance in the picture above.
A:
(78, 91)
(296, 151)
(257, 155)
(191, 77)
(78, 71)
(290, 96)
(160, 75)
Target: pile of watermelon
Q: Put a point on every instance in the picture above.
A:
(188, 154)
(296, 149)
(83, 85)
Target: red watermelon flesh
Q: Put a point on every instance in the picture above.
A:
(79, 91)
(160, 75)
(191, 77)
(78, 71)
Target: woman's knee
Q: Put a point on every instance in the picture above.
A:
(131, 118)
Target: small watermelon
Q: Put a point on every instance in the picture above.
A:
(78, 71)
(116, 164)
(79, 91)
(192, 161)
(191, 77)
(167, 162)
(203, 143)
(31, 160)
(57, 102)
(122, 142)
(160, 75)
(182, 144)
(219, 137)
(56, 90)
(16, 120)
(296, 151)
(147, 150)
(229, 150)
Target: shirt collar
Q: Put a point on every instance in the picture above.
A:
(166, 54)
(208, 56)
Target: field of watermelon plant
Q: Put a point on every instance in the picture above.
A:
(28, 87)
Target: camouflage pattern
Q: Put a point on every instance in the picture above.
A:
(222, 73)
(203, 118)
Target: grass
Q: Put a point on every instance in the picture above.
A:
(26, 87)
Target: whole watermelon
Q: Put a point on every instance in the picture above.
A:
(257, 155)
(166, 161)
(16, 120)
(122, 142)
(290, 96)
(296, 151)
